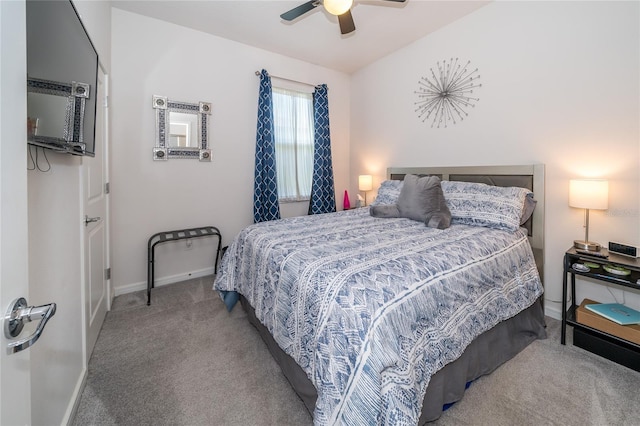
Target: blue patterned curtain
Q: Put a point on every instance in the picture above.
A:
(265, 188)
(323, 197)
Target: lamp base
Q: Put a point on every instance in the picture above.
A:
(586, 245)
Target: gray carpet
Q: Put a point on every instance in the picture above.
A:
(185, 360)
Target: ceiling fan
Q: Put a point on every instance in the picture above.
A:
(339, 8)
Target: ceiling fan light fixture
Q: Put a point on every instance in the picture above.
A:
(337, 7)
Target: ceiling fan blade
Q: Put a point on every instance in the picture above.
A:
(300, 10)
(346, 22)
(397, 1)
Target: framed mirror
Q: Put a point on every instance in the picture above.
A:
(181, 129)
(56, 113)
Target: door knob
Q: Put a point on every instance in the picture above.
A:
(17, 315)
(88, 220)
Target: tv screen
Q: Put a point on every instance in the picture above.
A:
(62, 75)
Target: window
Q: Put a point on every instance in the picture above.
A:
(293, 134)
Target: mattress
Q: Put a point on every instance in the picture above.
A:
(371, 309)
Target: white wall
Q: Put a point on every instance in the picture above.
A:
(152, 57)
(58, 361)
(560, 87)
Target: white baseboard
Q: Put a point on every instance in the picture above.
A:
(159, 282)
(552, 311)
(72, 409)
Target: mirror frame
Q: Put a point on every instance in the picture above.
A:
(162, 151)
(76, 93)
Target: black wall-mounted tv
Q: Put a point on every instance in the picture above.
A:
(62, 77)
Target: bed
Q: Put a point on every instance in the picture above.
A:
(386, 320)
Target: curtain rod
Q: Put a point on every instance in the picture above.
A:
(288, 79)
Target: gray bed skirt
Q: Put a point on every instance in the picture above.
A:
(482, 356)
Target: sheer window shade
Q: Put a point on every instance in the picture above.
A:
(293, 134)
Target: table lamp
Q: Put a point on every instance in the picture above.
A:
(365, 183)
(588, 194)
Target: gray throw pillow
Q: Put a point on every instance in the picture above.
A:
(421, 199)
(384, 210)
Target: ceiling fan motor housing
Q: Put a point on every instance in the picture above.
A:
(339, 8)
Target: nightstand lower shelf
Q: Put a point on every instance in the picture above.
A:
(604, 344)
(607, 346)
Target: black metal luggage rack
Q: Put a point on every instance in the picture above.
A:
(180, 234)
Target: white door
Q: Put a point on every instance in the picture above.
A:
(96, 241)
(15, 369)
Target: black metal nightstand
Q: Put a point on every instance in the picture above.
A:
(597, 341)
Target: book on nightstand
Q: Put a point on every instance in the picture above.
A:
(591, 319)
(616, 312)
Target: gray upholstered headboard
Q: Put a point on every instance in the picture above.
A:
(527, 176)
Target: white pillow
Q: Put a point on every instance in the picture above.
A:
(388, 192)
(479, 204)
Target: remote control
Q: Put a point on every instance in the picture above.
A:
(593, 253)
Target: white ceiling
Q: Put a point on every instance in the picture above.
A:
(381, 26)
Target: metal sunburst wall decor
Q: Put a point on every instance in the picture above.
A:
(446, 95)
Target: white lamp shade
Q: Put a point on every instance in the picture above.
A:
(589, 194)
(337, 7)
(365, 182)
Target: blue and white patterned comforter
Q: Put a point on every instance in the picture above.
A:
(371, 308)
